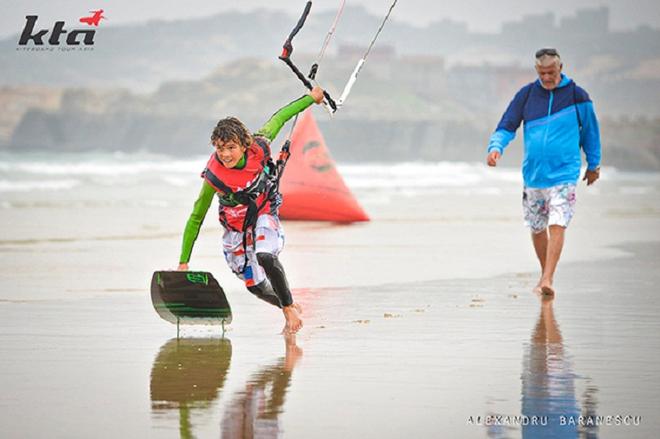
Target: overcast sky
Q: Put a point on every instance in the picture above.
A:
(481, 15)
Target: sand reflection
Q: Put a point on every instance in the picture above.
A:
(189, 374)
(255, 411)
(548, 384)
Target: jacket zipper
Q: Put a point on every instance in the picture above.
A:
(547, 125)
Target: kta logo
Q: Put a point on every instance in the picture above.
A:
(72, 39)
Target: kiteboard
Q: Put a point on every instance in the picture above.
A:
(189, 297)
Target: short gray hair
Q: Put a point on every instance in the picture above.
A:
(546, 56)
(546, 60)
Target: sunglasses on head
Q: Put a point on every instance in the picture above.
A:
(547, 51)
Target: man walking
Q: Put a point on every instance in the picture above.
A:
(559, 120)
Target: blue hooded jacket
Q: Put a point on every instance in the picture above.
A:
(557, 123)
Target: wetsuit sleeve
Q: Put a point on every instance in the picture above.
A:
(511, 119)
(590, 134)
(281, 116)
(195, 221)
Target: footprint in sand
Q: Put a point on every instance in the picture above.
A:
(388, 315)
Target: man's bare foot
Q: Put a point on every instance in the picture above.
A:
(298, 308)
(293, 320)
(547, 290)
(537, 288)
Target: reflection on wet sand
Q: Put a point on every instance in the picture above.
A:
(589, 412)
(255, 411)
(189, 374)
(548, 384)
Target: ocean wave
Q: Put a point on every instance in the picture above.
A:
(28, 185)
(182, 172)
(425, 175)
(124, 169)
(101, 168)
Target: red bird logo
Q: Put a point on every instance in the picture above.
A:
(94, 19)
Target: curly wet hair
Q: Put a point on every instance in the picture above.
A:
(229, 129)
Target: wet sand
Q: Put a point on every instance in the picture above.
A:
(421, 323)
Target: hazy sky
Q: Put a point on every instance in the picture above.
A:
(481, 15)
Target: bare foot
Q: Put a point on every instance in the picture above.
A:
(547, 290)
(537, 288)
(293, 320)
(298, 308)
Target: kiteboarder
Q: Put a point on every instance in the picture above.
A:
(240, 171)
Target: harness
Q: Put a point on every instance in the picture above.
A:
(267, 183)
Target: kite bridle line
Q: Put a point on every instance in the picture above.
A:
(287, 50)
(328, 37)
(358, 67)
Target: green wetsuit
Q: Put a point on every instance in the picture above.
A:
(205, 197)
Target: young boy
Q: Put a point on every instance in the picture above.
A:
(238, 171)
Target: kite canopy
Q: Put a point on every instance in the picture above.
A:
(312, 187)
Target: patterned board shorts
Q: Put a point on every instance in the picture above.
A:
(551, 206)
(270, 239)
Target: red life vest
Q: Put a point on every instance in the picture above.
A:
(235, 185)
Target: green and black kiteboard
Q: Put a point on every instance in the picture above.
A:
(189, 297)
